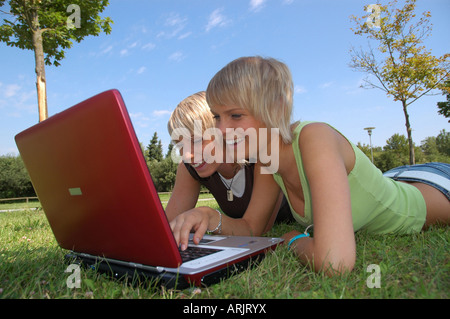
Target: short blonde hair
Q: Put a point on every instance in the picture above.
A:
(263, 86)
(191, 109)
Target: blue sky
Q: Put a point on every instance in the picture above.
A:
(161, 51)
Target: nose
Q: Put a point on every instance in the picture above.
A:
(222, 126)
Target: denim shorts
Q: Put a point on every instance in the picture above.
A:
(433, 174)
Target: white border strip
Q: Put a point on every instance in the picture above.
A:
(431, 177)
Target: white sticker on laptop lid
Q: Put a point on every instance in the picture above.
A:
(75, 191)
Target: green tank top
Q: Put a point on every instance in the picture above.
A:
(379, 204)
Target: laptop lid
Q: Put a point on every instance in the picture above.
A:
(93, 183)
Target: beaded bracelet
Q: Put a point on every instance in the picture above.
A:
(219, 226)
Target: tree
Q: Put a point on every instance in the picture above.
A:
(154, 149)
(444, 107)
(48, 27)
(443, 142)
(14, 178)
(169, 150)
(401, 67)
(435, 150)
(163, 174)
(395, 153)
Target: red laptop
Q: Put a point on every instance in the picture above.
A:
(90, 175)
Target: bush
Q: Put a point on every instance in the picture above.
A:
(163, 174)
(14, 178)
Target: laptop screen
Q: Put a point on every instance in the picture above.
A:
(91, 177)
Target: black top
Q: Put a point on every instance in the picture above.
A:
(237, 207)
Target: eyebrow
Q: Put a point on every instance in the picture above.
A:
(232, 110)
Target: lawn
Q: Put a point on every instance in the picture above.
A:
(414, 266)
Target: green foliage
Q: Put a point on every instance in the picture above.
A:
(14, 179)
(395, 152)
(163, 170)
(51, 17)
(49, 27)
(444, 107)
(443, 142)
(154, 149)
(401, 66)
(163, 174)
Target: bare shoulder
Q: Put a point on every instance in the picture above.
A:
(317, 133)
(320, 139)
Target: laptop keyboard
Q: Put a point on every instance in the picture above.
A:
(193, 252)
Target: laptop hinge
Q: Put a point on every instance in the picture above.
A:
(97, 259)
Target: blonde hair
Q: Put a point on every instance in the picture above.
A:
(262, 86)
(191, 109)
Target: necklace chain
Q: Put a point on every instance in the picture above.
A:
(230, 196)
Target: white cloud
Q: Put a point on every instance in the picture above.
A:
(175, 20)
(18, 99)
(256, 5)
(175, 25)
(140, 119)
(217, 19)
(11, 90)
(149, 46)
(184, 35)
(326, 85)
(139, 116)
(107, 50)
(141, 70)
(299, 89)
(177, 56)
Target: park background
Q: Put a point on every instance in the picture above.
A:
(160, 52)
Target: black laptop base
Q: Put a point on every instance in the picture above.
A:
(137, 276)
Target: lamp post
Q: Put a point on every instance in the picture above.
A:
(369, 131)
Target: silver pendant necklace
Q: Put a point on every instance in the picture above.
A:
(230, 195)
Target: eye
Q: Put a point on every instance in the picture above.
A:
(236, 116)
(216, 117)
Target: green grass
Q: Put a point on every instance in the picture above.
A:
(414, 266)
(20, 205)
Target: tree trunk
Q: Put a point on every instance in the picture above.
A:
(412, 159)
(41, 85)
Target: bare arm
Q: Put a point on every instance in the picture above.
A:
(264, 197)
(327, 157)
(184, 194)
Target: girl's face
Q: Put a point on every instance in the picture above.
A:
(240, 131)
(194, 153)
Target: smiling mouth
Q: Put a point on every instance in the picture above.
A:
(198, 165)
(234, 142)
